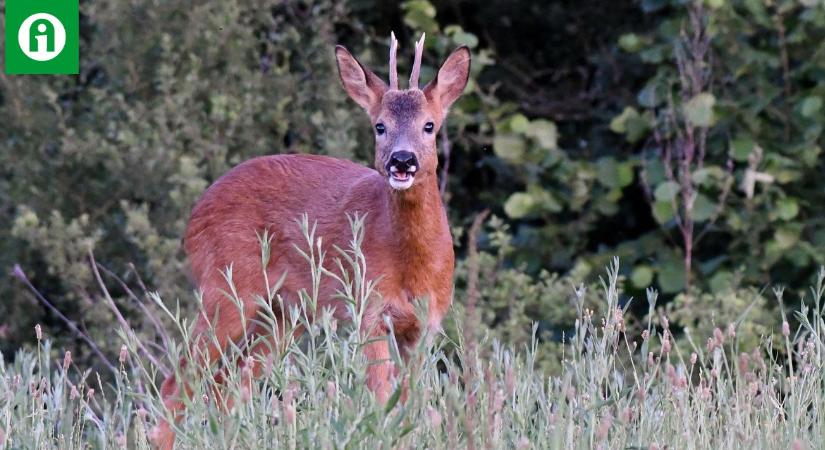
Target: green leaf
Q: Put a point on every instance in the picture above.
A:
(632, 124)
(464, 38)
(519, 205)
(699, 110)
(619, 123)
(630, 42)
(666, 192)
(612, 174)
(787, 208)
(741, 148)
(786, 237)
(420, 15)
(393, 400)
(509, 147)
(703, 208)
(642, 276)
(545, 133)
(811, 106)
(663, 211)
(707, 174)
(721, 280)
(671, 276)
(649, 96)
(544, 199)
(519, 123)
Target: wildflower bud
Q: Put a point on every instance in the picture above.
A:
(786, 329)
(498, 401)
(120, 440)
(124, 352)
(142, 413)
(523, 443)
(711, 345)
(665, 323)
(627, 414)
(744, 363)
(693, 358)
(731, 330)
(434, 417)
(205, 399)
(289, 413)
(510, 380)
(246, 393)
(666, 345)
(67, 360)
(670, 371)
(331, 390)
(38, 332)
(650, 361)
(705, 393)
(74, 394)
(90, 393)
(604, 428)
(645, 335)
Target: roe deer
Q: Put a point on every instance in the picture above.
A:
(408, 245)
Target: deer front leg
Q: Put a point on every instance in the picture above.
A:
(381, 370)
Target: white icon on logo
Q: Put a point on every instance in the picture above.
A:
(41, 37)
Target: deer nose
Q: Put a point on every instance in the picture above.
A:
(403, 161)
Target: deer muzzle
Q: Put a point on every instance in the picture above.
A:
(401, 169)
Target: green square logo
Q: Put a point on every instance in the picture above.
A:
(42, 37)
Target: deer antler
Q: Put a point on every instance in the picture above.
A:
(416, 70)
(393, 63)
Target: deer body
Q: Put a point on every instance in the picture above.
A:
(407, 246)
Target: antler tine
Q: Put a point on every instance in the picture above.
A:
(416, 70)
(393, 62)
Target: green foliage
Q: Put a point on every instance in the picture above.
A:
(556, 133)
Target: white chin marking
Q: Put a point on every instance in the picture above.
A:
(401, 185)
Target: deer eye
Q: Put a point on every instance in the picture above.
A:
(429, 127)
(380, 128)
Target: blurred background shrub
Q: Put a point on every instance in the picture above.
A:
(682, 136)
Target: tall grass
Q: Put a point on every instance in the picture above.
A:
(615, 390)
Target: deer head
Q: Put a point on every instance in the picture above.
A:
(405, 121)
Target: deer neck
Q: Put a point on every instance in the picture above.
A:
(418, 219)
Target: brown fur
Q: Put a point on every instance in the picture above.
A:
(408, 245)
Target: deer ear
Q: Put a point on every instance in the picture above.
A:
(361, 84)
(451, 79)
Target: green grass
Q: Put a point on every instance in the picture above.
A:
(614, 391)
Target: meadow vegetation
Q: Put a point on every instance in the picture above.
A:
(461, 389)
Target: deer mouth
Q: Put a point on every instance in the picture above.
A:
(402, 179)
